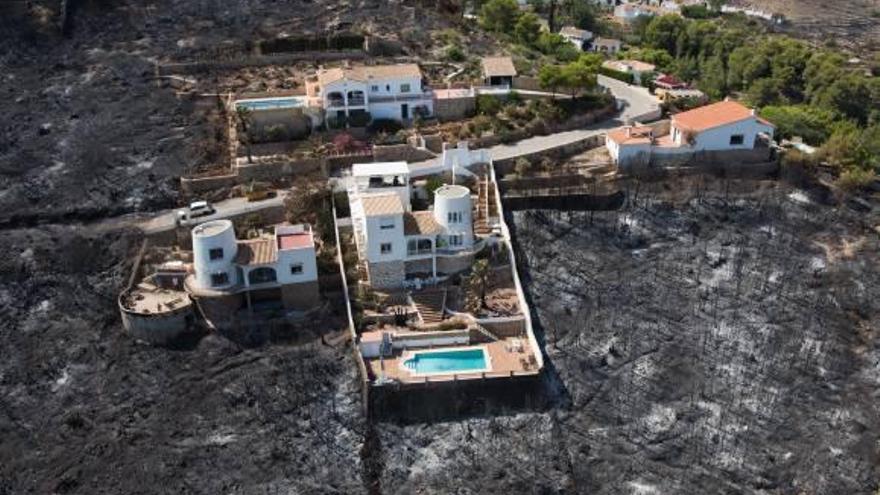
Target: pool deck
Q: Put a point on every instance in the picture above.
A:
(505, 361)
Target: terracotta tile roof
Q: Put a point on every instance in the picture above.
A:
(421, 223)
(366, 73)
(384, 204)
(498, 66)
(631, 135)
(714, 115)
(256, 251)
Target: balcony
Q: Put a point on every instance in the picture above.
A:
(403, 97)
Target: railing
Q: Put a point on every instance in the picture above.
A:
(418, 252)
(356, 102)
(402, 97)
(335, 102)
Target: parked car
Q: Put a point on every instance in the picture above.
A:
(196, 209)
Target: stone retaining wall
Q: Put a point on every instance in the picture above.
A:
(400, 153)
(387, 275)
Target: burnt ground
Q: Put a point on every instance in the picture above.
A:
(723, 345)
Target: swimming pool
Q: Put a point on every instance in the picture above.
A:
(467, 360)
(272, 103)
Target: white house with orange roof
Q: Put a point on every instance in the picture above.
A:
(394, 242)
(640, 70)
(394, 92)
(722, 126)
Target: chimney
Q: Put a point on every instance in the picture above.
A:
(754, 112)
(628, 131)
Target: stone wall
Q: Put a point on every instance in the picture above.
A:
(269, 170)
(454, 264)
(504, 167)
(387, 275)
(302, 296)
(400, 153)
(420, 266)
(719, 160)
(446, 109)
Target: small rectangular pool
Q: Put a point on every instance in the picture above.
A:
(272, 103)
(466, 360)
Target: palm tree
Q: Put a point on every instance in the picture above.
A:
(478, 283)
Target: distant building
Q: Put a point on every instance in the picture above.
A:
(577, 37)
(668, 82)
(394, 92)
(639, 70)
(628, 13)
(723, 126)
(498, 71)
(606, 45)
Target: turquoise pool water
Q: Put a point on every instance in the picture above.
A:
(464, 360)
(272, 103)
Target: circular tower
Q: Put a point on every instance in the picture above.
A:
(214, 250)
(452, 210)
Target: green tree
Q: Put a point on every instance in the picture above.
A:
(813, 124)
(527, 29)
(764, 92)
(849, 96)
(499, 15)
(714, 78)
(663, 31)
(550, 77)
(478, 284)
(578, 76)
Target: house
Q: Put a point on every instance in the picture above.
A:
(628, 13)
(396, 243)
(281, 264)
(606, 45)
(498, 71)
(671, 95)
(577, 37)
(608, 4)
(395, 92)
(668, 82)
(639, 70)
(719, 127)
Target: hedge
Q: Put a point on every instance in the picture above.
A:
(616, 74)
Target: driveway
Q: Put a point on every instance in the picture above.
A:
(635, 102)
(165, 221)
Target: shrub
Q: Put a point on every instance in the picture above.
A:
(455, 54)
(488, 105)
(616, 74)
(387, 126)
(856, 178)
(359, 119)
(522, 167)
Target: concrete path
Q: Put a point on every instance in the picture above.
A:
(634, 102)
(165, 221)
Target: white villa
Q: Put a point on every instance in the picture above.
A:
(722, 126)
(577, 37)
(606, 45)
(281, 262)
(383, 91)
(640, 70)
(630, 12)
(396, 243)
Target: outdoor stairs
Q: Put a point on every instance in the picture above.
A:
(486, 333)
(430, 304)
(481, 215)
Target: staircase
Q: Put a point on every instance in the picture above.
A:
(430, 305)
(481, 208)
(486, 333)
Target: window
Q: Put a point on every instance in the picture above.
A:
(404, 88)
(737, 139)
(455, 240)
(388, 88)
(374, 88)
(216, 254)
(296, 269)
(386, 223)
(218, 279)
(454, 217)
(385, 248)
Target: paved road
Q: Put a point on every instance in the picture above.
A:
(165, 221)
(635, 102)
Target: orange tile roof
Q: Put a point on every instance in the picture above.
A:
(631, 135)
(384, 204)
(420, 223)
(256, 252)
(714, 115)
(627, 65)
(498, 66)
(366, 73)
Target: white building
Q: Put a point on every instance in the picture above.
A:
(396, 243)
(282, 262)
(722, 126)
(392, 92)
(639, 70)
(606, 45)
(577, 37)
(630, 12)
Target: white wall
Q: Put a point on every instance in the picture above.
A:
(343, 87)
(377, 236)
(391, 87)
(392, 109)
(719, 137)
(462, 205)
(290, 257)
(203, 265)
